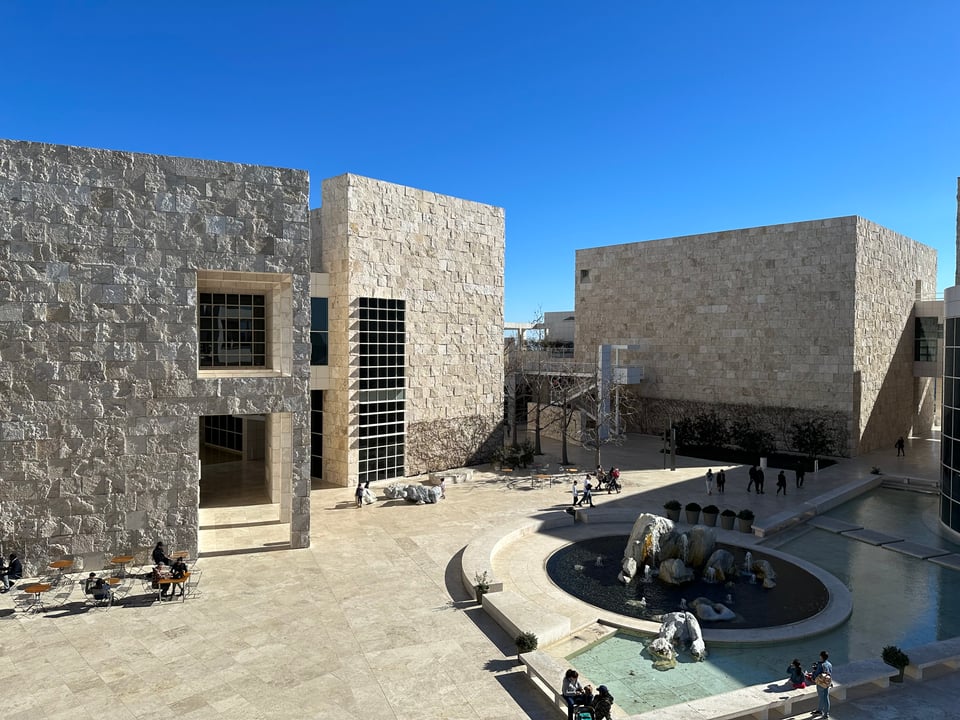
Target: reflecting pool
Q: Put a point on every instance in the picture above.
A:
(897, 600)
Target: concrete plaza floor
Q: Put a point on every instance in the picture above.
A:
(370, 622)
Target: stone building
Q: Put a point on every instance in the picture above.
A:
(157, 311)
(812, 320)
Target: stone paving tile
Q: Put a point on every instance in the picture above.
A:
(916, 549)
(950, 561)
(832, 524)
(873, 537)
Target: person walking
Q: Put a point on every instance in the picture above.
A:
(782, 483)
(753, 477)
(823, 670)
(359, 494)
(587, 492)
(575, 491)
(800, 474)
(709, 479)
(721, 480)
(760, 481)
(899, 447)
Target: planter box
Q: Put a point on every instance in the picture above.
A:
(710, 519)
(744, 526)
(726, 522)
(693, 516)
(673, 515)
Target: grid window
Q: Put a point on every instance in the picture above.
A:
(316, 433)
(318, 331)
(232, 330)
(224, 431)
(382, 360)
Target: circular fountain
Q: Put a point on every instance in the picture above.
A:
(657, 570)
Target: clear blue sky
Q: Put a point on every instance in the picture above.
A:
(591, 123)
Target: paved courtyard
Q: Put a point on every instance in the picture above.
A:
(370, 622)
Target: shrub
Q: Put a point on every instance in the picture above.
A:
(711, 510)
(526, 642)
(692, 507)
(895, 657)
(728, 513)
(672, 505)
(746, 514)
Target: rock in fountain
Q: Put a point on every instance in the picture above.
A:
(711, 611)
(764, 572)
(680, 629)
(675, 572)
(720, 567)
(643, 545)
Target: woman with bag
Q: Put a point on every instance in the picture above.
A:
(822, 675)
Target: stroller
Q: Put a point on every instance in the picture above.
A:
(583, 712)
(612, 482)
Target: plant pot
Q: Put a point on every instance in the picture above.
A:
(710, 519)
(726, 521)
(673, 515)
(744, 526)
(693, 516)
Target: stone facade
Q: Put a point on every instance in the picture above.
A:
(102, 256)
(444, 257)
(811, 319)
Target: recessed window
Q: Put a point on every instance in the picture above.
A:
(316, 433)
(584, 276)
(232, 330)
(318, 331)
(223, 431)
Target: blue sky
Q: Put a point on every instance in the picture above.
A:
(592, 124)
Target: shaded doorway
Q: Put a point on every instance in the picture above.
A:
(240, 484)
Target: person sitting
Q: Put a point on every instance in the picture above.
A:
(89, 583)
(101, 591)
(11, 573)
(796, 674)
(602, 704)
(160, 555)
(177, 571)
(156, 575)
(574, 693)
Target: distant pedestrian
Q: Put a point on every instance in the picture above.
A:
(443, 488)
(575, 491)
(900, 447)
(587, 492)
(822, 668)
(760, 481)
(721, 480)
(753, 477)
(613, 481)
(782, 483)
(709, 479)
(359, 494)
(800, 473)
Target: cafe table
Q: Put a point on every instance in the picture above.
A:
(122, 561)
(37, 590)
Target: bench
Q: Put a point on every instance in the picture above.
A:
(516, 614)
(924, 657)
(546, 672)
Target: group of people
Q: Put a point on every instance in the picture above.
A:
(585, 495)
(578, 695)
(364, 495)
(720, 478)
(178, 569)
(821, 674)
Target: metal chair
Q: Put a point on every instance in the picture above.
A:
(190, 587)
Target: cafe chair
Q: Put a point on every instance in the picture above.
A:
(193, 581)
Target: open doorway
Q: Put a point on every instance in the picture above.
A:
(241, 480)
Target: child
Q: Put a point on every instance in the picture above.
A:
(796, 674)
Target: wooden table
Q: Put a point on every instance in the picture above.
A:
(37, 589)
(171, 582)
(180, 555)
(61, 565)
(114, 581)
(122, 561)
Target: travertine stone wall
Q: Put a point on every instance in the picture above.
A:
(893, 272)
(100, 395)
(444, 256)
(776, 317)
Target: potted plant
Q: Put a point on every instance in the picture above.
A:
(673, 509)
(481, 585)
(726, 519)
(896, 658)
(710, 513)
(693, 512)
(745, 520)
(526, 642)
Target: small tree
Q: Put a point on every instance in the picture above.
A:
(812, 437)
(526, 642)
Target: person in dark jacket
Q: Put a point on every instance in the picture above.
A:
(12, 572)
(160, 555)
(602, 703)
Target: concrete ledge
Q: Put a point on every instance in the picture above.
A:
(547, 674)
(923, 657)
(859, 674)
(516, 614)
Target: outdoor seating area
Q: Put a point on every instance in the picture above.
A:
(65, 587)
